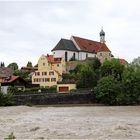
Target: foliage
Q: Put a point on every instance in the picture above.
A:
(136, 62)
(6, 99)
(38, 90)
(2, 64)
(12, 89)
(112, 67)
(10, 136)
(131, 84)
(107, 90)
(119, 85)
(23, 74)
(13, 66)
(29, 64)
(86, 77)
(94, 64)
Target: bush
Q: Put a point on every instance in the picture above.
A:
(38, 90)
(10, 136)
(12, 89)
(6, 99)
(107, 90)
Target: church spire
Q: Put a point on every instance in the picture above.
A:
(102, 36)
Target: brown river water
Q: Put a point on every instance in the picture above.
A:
(70, 122)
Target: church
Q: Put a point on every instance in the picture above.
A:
(77, 48)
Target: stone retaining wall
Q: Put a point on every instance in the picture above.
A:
(54, 98)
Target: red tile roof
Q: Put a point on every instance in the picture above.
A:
(53, 59)
(90, 45)
(123, 61)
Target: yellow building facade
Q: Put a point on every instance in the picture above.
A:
(49, 71)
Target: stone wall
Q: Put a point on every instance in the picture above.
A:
(70, 65)
(54, 98)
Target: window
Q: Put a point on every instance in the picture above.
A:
(36, 80)
(39, 80)
(44, 73)
(66, 56)
(47, 79)
(51, 73)
(57, 65)
(100, 54)
(43, 80)
(43, 64)
(53, 79)
(37, 73)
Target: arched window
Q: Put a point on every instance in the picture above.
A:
(66, 56)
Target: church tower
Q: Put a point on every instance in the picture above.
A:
(102, 36)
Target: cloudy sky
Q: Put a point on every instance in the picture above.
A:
(29, 29)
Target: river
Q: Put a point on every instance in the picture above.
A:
(70, 122)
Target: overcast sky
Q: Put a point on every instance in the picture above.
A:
(29, 29)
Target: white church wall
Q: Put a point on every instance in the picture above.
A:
(61, 53)
(84, 55)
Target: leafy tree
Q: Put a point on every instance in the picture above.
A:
(29, 64)
(107, 90)
(13, 66)
(112, 67)
(131, 84)
(2, 64)
(136, 62)
(94, 63)
(6, 99)
(86, 77)
(23, 74)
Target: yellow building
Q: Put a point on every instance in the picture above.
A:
(49, 71)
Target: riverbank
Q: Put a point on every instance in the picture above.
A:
(75, 122)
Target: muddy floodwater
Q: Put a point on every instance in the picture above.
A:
(71, 122)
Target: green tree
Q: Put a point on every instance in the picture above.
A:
(136, 62)
(2, 64)
(131, 84)
(13, 66)
(86, 77)
(94, 63)
(112, 67)
(29, 64)
(6, 99)
(23, 74)
(107, 90)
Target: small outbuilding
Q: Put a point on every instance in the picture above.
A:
(14, 81)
